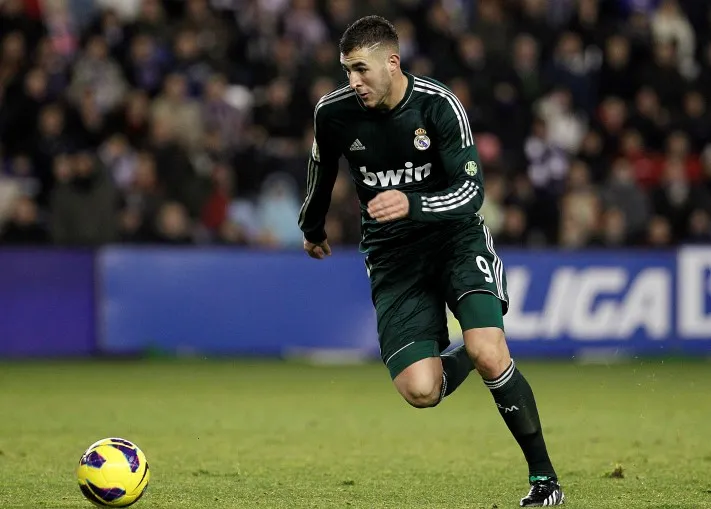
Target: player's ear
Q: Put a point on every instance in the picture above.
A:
(393, 62)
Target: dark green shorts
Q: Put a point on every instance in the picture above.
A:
(411, 290)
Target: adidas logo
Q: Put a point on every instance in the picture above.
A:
(357, 145)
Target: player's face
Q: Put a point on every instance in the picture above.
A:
(369, 74)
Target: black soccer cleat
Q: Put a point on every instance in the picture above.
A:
(544, 492)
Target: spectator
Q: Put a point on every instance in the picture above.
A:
(591, 120)
(675, 198)
(141, 201)
(649, 118)
(571, 69)
(24, 227)
(346, 211)
(580, 208)
(699, 230)
(695, 120)
(513, 229)
(670, 26)
(132, 118)
(613, 230)
(178, 112)
(99, 74)
(623, 194)
(565, 126)
(659, 233)
(493, 27)
(525, 65)
(83, 209)
(277, 208)
(192, 62)
(617, 69)
(663, 76)
(210, 32)
(547, 163)
(151, 20)
(493, 208)
(218, 114)
(145, 66)
(119, 158)
(304, 25)
(13, 54)
(173, 225)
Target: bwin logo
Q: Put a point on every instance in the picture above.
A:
(395, 177)
(507, 409)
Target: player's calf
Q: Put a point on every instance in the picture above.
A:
(421, 383)
(488, 350)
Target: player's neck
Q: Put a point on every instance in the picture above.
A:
(397, 91)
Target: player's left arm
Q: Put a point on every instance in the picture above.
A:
(464, 195)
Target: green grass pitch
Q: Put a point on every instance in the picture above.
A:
(236, 434)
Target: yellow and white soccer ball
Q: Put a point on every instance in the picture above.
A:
(113, 472)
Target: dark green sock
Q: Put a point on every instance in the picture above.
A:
(456, 366)
(514, 397)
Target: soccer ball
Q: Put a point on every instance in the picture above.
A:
(113, 472)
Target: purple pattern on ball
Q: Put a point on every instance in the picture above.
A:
(93, 459)
(131, 456)
(107, 495)
(122, 441)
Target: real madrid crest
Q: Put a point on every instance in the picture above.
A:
(471, 168)
(422, 141)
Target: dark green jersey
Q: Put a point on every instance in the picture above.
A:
(423, 147)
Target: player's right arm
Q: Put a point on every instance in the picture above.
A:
(321, 176)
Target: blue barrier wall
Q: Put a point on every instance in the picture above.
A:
(225, 301)
(233, 302)
(563, 304)
(245, 302)
(46, 303)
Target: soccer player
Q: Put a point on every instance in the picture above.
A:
(419, 180)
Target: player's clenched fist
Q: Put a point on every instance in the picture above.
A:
(388, 206)
(318, 251)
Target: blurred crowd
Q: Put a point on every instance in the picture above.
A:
(190, 121)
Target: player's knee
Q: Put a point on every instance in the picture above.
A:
(424, 394)
(420, 383)
(487, 348)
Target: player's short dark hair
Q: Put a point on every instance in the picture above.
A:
(368, 31)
